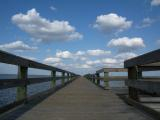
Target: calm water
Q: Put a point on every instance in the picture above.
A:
(9, 95)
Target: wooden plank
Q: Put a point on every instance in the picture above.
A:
(111, 70)
(9, 83)
(115, 70)
(145, 85)
(151, 57)
(149, 99)
(151, 78)
(113, 78)
(100, 71)
(41, 80)
(155, 114)
(38, 80)
(11, 105)
(149, 68)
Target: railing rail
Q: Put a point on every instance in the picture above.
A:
(23, 81)
(96, 78)
(136, 81)
(8, 58)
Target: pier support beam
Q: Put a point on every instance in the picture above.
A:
(53, 79)
(106, 80)
(22, 90)
(134, 74)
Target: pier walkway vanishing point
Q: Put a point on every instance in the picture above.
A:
(83, 100)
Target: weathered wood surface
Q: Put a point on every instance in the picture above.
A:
(112, 70)
(82, 100)
(113, 78)
(151, 102)
(149, 86)
(9, 83)
(148, 58)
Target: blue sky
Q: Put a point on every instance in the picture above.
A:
(79, 35)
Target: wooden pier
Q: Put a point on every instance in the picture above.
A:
(82, 98)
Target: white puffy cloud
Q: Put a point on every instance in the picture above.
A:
(82, 66)
(52, 60)
(17, 46)
(82, 58)
(64, 54)
(146, 22)
(91, 63)
(112, 23)
(43, 29)
(155, 2)
(125, 56)
(126, 44)
(109, 61)
(121, 57)
(80, 53)
(98, 52)
(101, 62)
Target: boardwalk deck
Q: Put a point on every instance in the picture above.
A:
(82, 100)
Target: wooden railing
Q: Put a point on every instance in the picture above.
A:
(23, 81)
(136, 82)
(96, 78)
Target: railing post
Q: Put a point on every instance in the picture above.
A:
(68, 77)
(134, 74)
(53, 79)
(98, 80)
(22, 90)
(106, 80)
(63, 78)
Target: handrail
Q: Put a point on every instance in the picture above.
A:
(111, 70)
(147, 58)
(23, 81)
(147, 62)
(9, 83)
(95, 78)
(9, 58)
